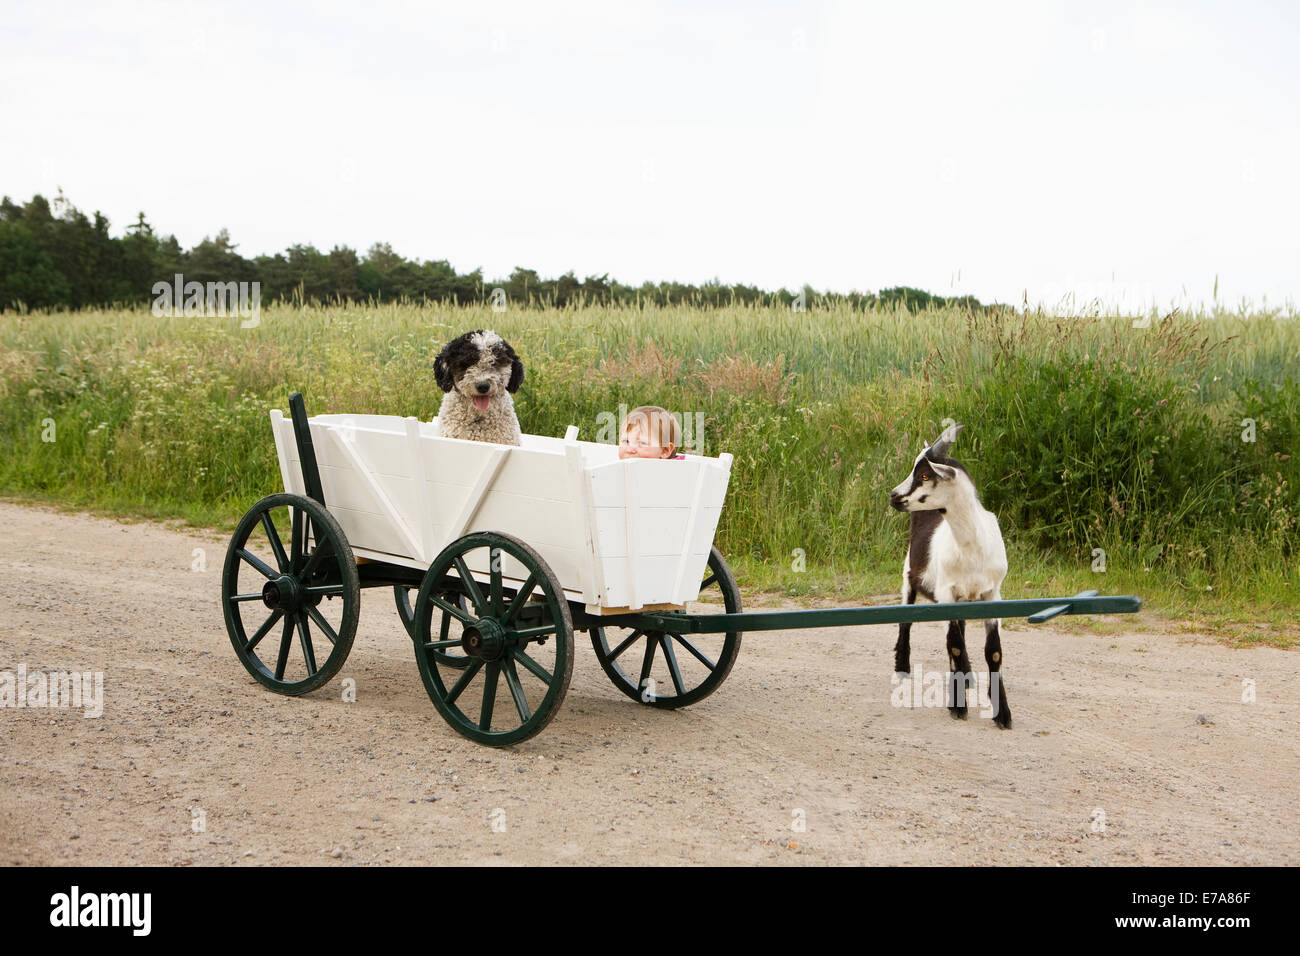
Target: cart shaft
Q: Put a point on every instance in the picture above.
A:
(1036, 609)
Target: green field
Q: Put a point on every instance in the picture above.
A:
(1082, 433)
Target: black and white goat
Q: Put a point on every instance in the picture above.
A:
(955, 553)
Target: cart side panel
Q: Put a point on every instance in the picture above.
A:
(530, 495)
(363, 503)
(654, 525)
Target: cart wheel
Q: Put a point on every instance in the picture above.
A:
(674, 669)
(310, 586)
(520, 645)
(406, 611)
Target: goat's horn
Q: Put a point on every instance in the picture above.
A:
(944, 442)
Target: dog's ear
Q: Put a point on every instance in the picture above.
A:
(516, 373)
(441, 371)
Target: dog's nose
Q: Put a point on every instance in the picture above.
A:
(483, 387)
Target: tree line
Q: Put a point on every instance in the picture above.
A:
(52, 255)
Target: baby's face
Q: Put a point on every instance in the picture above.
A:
(636, 443)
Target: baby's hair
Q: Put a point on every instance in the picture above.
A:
(654, 418)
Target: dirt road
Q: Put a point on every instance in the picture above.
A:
(1135, 748)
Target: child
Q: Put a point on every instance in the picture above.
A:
(650, 432)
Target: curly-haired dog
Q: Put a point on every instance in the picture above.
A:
(479, 371)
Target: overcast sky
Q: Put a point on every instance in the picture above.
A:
(1123, 150)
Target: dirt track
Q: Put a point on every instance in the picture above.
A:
(802, 730)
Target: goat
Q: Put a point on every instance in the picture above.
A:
(954, 553)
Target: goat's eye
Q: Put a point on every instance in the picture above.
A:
(925, 477)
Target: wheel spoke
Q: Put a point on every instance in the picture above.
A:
(538, 670)
(471, 586)
(277, 546)
(696, 652)
(322, 551)
(247, 597)
(465, 678)
(626, 644)
(517, 690)
(451, 609)
(671, 657)
(489, 696)
(494, 580)
(445, 629)
(648, 661)
(326, 628)
(285, 640)
(295, 538)
(263, 568)
(262, 631)
(707, 581)
(304, 639)
(520, 599)
(441, 645)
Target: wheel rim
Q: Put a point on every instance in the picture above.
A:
(666, 669)
(291, 606)
(516, 638)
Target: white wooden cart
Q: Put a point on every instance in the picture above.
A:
(578, 539)
(508, 550)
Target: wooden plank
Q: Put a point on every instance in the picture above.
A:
(277, 419)
(582, 531)
(600, 611)
(688, 539)
(630, 502)
(421, 489)
(482, 485)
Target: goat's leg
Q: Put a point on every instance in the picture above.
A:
(997, 689)
(903, 649)
(960, 680)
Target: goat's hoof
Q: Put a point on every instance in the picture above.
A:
(957, 713)
(1003, 719)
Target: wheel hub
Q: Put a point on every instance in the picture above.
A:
(485, 639)
(283, 593)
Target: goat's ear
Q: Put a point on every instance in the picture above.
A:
(943, 472)
(943, 444)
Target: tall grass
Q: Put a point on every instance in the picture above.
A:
(1083, 433)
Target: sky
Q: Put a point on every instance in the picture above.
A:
(1056, 153)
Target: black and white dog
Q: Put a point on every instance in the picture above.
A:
(479, 371)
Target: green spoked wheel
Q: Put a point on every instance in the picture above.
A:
(291, 606)
(516, 633)
(403, 596)
(664, 669)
